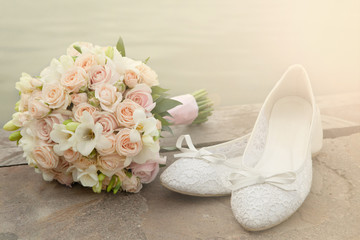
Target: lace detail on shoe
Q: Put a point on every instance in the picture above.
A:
(256, 145)
(263, 206)
(199, 177)
(232, 149)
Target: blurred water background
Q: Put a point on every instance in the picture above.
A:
(235, 49)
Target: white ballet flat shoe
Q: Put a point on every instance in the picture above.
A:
(204, 172)
(276, 169)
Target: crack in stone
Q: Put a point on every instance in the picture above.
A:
(341, 175)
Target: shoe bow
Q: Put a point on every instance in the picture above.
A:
(192, 152)
(248, 177)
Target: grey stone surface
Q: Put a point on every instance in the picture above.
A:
(31, 208)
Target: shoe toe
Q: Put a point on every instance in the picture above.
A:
(263, 206)
(195, 177)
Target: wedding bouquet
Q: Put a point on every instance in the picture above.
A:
(95, 116)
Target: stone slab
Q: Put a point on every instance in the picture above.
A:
(31, 208)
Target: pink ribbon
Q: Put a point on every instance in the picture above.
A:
(186, 113)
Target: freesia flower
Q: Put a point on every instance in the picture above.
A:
(63, 137)
(87, 177)
(27, 83)
(148, 126)
(88, 135)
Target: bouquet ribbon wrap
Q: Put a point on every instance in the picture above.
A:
(186, 113)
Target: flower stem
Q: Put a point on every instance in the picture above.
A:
(205, 105)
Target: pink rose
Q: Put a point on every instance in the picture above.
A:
(125, 111)
(71, 156)
(124, 146)
(132, 184)
(86, 61)
(74, 79)
(99, 75)
(107, 120)
(45, 157)
(111, 149)
(147, 75)
(44, 126)
(109, 164)
(78, 98)
(141, 94)
(131, 78)
(36, 106)
(55, 95)
(81, 108)
(108, 97)
(146, 172)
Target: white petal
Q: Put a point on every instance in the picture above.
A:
(85, 147)
(139, 115)
(87, 118)
(127, 161)
(150, 125)
(135, 136)
(103, 143)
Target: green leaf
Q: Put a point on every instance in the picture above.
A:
(165, 104)
(155, 97)
(77, 48)
(121, 47)
(158, 90)
(163, 121)
(167, 129)
(146, 60)
(164, 114)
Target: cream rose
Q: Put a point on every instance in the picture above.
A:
(55, 95)
(78, 98)
(132, 78)
(86, 61)
(111, 149)
(81, 108)
(45, 157)
(74, 79)
(108, 96)
(84, 162)
(125, 111)
(99, 75)
(146, 172)
(141, 94)
(44, 126)
(107, 120)
(147, 75)
(36, 106)
(71, 156)
(109, 164)
(124, 146)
